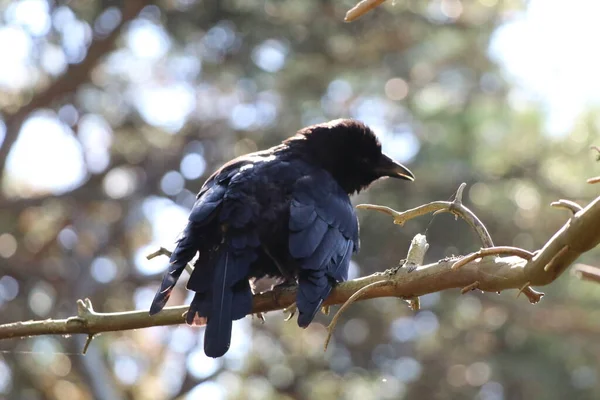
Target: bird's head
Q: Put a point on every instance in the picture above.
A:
(350, 152)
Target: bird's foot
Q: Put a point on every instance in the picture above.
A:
(285, 285)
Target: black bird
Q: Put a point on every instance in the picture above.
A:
(282, 212)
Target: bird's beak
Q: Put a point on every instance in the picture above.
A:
(389, 167)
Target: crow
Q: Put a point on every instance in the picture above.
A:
(284, 212)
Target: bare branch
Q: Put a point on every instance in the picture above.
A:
(455, 207)
(568, 204)
(494, 274)
(587, 272)
(363, 290)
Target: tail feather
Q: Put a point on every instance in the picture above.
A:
(242, 300)
(217, 336)
(230, 298)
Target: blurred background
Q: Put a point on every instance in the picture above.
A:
(113, 113)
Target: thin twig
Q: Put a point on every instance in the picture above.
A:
(165, 252)
(470, 287)
(568, 204)
(522, 289)
(581, 233)
(351, 300)
(532, 295)
(88, 341)
(551, 266)
(361, 9)
(587, 272)
(491, 251)
(455, 207)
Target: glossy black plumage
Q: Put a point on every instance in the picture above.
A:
(283, 212)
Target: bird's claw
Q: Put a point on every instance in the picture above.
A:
(290, 311)
(260, 316)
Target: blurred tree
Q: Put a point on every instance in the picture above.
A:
(114, 112)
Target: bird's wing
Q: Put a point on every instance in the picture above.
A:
(200, 230)
(202, 213)
(221, 227)
(323, 235)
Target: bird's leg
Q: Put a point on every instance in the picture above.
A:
(285, 285)
(254, 291)
(285, 273)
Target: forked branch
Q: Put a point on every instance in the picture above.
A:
(494, 274)
(455, 207)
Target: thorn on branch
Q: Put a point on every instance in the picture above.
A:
(361, 9)
(552, 265)
(567, 204)
(348, 302)
(85, 309)
(413, 303)
(492, 251)
(456, 204)
(472, 286)
(87, 343)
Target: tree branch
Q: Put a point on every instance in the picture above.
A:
(492, 274)
(587, 272)
(361, 8)
(74, 76)
(455, 207)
